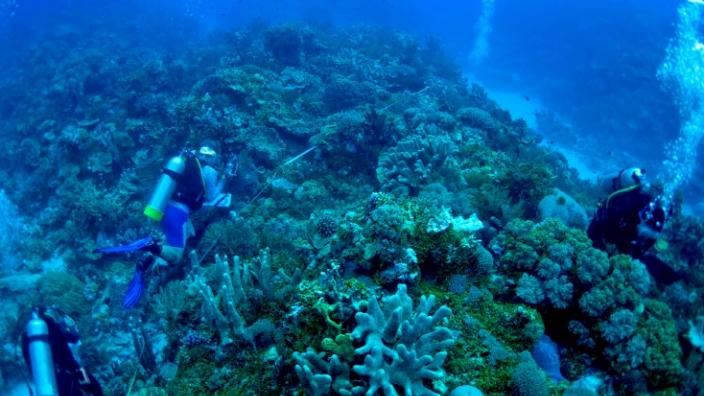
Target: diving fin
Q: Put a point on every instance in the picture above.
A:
(134, 290)
(141, 244)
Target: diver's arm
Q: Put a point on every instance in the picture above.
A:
(213, 183)
(214, 186)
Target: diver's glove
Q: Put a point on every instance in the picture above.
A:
(135, 289)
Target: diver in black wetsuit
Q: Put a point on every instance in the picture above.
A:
(49, 347)
(631, 219)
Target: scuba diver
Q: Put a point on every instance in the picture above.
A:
(50, 349)
(188, 182)
(631, 218)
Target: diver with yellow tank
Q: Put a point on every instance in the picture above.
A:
(188, 182)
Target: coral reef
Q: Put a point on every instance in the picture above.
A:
(365, 163)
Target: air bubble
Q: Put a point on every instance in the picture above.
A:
(681, 74)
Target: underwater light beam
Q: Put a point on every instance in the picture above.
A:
(682, 73)
(480, 50)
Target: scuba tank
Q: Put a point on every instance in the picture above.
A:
(165, 188)
(42, 361)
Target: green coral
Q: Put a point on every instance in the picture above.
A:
(545, 256)
(341, 346)
(611, 292)
(516, 327)
(64, 291)
(662, 363)
(325, 309)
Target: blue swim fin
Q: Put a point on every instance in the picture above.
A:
(134, 290)
(140, 244)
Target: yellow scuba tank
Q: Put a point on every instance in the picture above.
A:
(40, 357)
(170, 175)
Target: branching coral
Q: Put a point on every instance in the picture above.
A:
(324, 376)
(242, 288)
(172, 300)
(402, 346)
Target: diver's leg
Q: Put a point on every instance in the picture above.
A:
(175, 225)
(596, 231)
